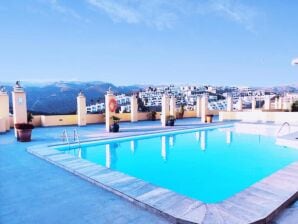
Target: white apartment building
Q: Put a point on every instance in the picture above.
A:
(122, 100)
(217, 105)
(95, 108)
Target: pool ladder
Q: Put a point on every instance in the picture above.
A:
(282, 126)
(76, 139)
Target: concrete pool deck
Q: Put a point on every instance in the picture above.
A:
(34, 191)
(289, 140)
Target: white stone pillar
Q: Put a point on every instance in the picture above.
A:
(204, 108)
(280, 103)
(173, 106)
(229, 104)
(276, 103)
(198, 106)
(19, 105)
(81, 109)
(133, 108)
(239, 104)
(253, 104)
(4, 109)
(284, 104)
(165, 110)
(267, 105)
(2, 125)
(110, 106)
(291, 101)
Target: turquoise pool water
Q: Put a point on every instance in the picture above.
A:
(208, 165)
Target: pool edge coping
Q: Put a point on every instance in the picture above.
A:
(247, 206)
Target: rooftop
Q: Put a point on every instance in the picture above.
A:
(35, 191)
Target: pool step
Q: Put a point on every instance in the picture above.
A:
(290, 140)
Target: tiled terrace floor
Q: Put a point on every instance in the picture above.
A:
(35, 191)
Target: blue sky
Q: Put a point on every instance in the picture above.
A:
(221, 42)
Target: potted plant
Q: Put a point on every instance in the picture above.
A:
(115, 126)
(294, 107)
(208, 118)
(24, 130)
(151, 115)
(170, 120)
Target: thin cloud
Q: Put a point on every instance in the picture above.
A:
(55, 5)
(235, 11)
(117, 11)
(156, 13)
(165, 14)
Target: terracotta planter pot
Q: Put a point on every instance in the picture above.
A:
(24, 135)
(208, 118)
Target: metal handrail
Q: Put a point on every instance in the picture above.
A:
(76, 137)
(65, 137)
(283, 125)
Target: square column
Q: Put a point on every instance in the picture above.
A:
(4, 109)
(280, 102)
(173, 106)
(165, 110)
(276, 103)
(229, 104)
(239, 104)
(134, 108)
(19, 105)
(81, 109)
(291, 101)
(110, 105)
(253, 104)
(267, 105)
(284, 104)
(204, 108)
(198, 106)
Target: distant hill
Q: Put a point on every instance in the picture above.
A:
(60, 97)
(281, 89)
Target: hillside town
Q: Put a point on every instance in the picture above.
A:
(186, 96)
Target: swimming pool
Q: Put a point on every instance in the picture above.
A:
(210, 165)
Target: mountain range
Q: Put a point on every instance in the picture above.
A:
(60, 97)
